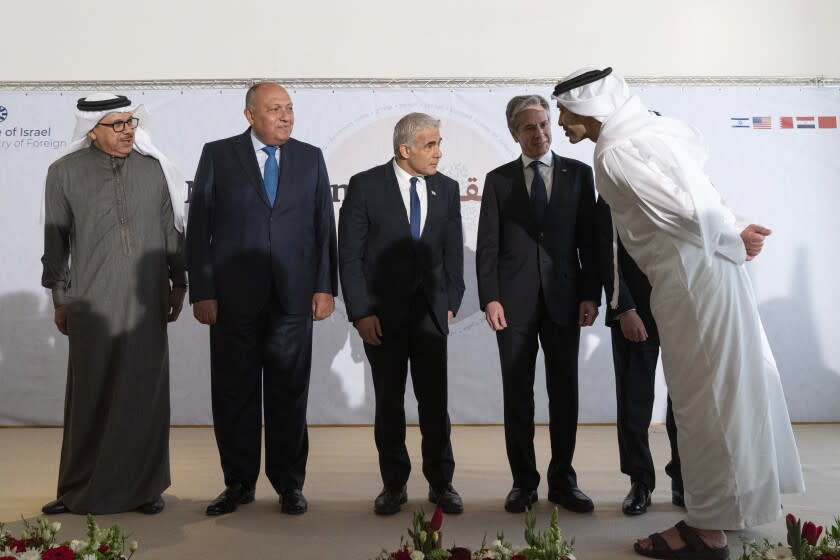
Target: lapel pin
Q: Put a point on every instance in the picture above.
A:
(434, 193)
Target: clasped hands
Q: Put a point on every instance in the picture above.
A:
(753, 237)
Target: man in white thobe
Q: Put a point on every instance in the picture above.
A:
(735, 438)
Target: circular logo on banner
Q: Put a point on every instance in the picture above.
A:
(3, 113)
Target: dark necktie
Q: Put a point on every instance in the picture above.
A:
(271, 174)
(414, 214)
(539, 197)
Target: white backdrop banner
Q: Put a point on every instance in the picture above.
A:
(774, 157)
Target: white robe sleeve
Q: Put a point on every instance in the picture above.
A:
(675, 193)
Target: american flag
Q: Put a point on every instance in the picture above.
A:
(761, 122)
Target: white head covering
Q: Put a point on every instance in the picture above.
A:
(87, 120)
(598, 99)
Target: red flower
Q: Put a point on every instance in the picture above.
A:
(7, 558)
(62, 552)
(437, 519)
(823, 556)
(103, 548)
(518, 557)
(459, 553)
(811, 532)
(790, 519)
(401, 555)
(16, 545)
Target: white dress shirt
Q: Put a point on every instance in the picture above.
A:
(546, 170)
(404, 181)
(262, 157)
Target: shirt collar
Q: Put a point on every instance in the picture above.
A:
(404, 177)
(258, 144)
(546, 159)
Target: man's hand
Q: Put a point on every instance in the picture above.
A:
(322, 305)
(450, 316)
(753, 237)
(370, 330)
(587, 312)
(60, 319)
(206, 311)
(495, 315)
(632, 326)
(176, 301)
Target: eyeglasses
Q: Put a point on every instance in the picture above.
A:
(119, 126)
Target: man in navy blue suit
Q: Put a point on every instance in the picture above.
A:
(402, 276)
(261, 255)
(538, 285)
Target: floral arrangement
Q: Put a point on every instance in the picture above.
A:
(424, 542)
(38, 542)
(803, 543)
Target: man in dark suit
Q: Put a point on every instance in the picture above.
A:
(538, 283)
(402, 277)
(635, 346)
(261, 255)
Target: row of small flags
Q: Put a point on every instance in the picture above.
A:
(765, 123)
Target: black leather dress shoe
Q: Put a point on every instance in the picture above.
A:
(677, 498)
(293, 502)
(447, 499)
(152, 508)
(571, 498)
(388, 501)
(55, 507)
(637, 500)
(233, 496)
(518, 500)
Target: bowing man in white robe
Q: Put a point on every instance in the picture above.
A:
(735, 437)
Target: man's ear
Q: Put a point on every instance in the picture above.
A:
(403, 151)
(249, 116)
(92, 135)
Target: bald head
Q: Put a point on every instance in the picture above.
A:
(270, 113)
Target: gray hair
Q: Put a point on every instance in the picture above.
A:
(519, 104)
(405, 131)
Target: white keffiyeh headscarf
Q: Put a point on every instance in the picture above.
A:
(87, 120)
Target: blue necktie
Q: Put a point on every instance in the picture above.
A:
(414, 220)
(271, 175)
(539, 197)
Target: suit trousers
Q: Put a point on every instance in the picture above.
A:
(518, 346)
(635, 374)
(416, 340)
(260, 367)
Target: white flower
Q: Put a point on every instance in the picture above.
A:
(76, 545)
(91, 556)
(30, 555)
(55, 526)
(133, 546)
(417, 555)
(778, 553)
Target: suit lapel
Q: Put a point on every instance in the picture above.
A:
(560, 187)
(285, 182)
(434, 205)
(248, 160)
(393, 197)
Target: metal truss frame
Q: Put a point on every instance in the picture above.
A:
(451, 83)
